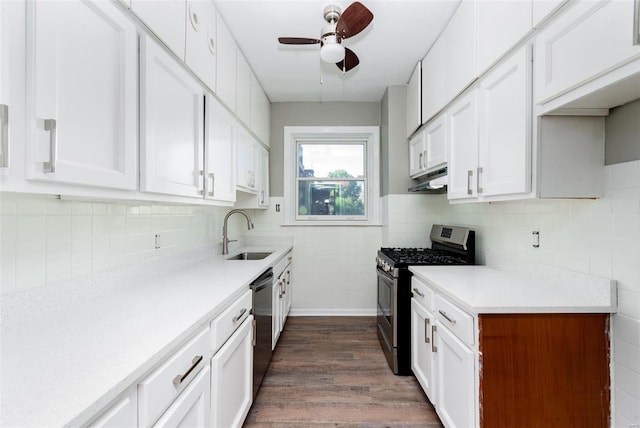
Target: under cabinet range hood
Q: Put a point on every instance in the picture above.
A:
(433, 183)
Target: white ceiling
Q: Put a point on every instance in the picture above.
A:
(401, 33)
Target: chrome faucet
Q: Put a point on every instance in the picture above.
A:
(225, 238)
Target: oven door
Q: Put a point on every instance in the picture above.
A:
(387, 289)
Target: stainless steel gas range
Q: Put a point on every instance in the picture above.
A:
(450, 245)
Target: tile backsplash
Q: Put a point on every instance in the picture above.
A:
(45, 240)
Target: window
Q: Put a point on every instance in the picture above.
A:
(331, 175)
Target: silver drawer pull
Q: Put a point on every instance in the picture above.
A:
(469, 175)
(636, 23)
(212, 177)
(415, 290)
(51, 126)
(444, 314)
(478, 187)
(194, 363)
(426, 330)
(433, 338)
(4, 136)
(240, 314)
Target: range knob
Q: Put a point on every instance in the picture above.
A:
(386, 266)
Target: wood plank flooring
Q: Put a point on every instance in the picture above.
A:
(330, 371)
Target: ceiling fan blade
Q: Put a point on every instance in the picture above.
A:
(350, 61)
(298, 41)
(353, 20)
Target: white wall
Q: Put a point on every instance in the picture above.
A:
(45, 240)
(599, 237)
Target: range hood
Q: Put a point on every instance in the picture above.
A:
(433, 183)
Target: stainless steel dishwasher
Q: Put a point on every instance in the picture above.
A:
(262, 313)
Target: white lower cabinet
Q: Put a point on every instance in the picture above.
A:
(191, 408)
(282, 296)
(232, 378)
(455, 379)
(172, 125)
(442, 359)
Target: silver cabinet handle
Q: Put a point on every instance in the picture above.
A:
(262, 196)
(4, 136)
(636, 23)
(444, 314)
(202, 188)
(420, 160)
(424, 159)
(288, 277)
(478, 188)
(469, 175)
(194, 363)
(212, 177)
(415, 290)
(240, 314)
(254, 333)
(433, 338)
(426, 330)
(51, 126)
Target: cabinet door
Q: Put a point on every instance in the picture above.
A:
(166, 18)
(123, 414)
(542, 9)
(501, 24)
(232, 379)
(243, 89)
(260, 111)
(220, 153)
(433, 77)
(226, 65)
(263, 174)
(5, 102)
(462, 131)
(435, 144)
(246, 161)
(192, 407)
(288, 295)
(505, 127)
(200, 46)
(588, 40)
(82, 109)
(460, 50)
(417, 155)
(455, 380)
(414, 100)
(422, 358)
(276, 319)
(172, 125)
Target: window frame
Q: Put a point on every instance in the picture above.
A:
(367, 135)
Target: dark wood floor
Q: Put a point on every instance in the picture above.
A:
(330, 371)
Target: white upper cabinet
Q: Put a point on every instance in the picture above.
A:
(172, 125)
(588, 40)
(501, 24)
(414, 100)
(460, 49)
(5, 101)
(417, 152)
(226, 65)
(82, 94)
(220, 153)
(433, 76)
(201, 44)
(263, 184)
(243, 89)
(260, 111)
(505, 127)
(427, 149)
(247, 155)
(462, 131)
(167, 20)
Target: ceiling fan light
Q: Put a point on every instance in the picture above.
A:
(332, 52)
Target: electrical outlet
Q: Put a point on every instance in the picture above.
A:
(277, 208)
(157, 241)
(535, 238)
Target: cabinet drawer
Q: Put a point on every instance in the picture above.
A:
(282, 265)
(158, 390)
(223, 326)
(422, 293)
(455, 319)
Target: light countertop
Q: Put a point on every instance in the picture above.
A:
(482, 290)
(69, 350)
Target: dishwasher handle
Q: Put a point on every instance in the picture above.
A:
(264, 280)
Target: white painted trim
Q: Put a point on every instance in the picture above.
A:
(371, 133)
(333, 312)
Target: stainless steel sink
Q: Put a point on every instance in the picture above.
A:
(250, 256)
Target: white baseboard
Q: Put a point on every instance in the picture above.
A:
(332, 312)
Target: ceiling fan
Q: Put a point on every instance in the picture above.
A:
(342, 25)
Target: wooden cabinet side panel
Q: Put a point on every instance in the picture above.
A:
(542, 370)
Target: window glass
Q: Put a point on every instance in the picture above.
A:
(331, 160)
